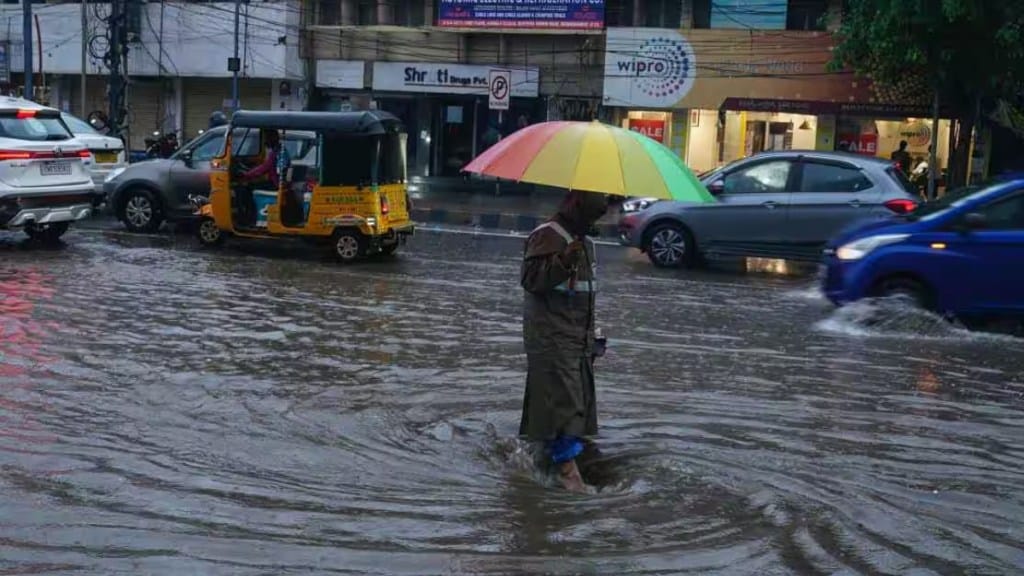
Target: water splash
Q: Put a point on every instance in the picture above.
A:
(898, 317)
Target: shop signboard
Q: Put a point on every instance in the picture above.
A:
(658, 68)
(654, 129)
(340, 73)
(524, 82)
(532, 14)
(866, 144)
(917, 134)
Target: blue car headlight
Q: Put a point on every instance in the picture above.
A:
(860, 248)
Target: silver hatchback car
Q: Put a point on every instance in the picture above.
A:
(774, 205)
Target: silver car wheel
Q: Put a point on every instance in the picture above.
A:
(668, 246)
(347, 247)
(138, 211)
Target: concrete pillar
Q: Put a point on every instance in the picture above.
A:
(349, 12)
(463, 48)
(428, 14)
(686, 15)
(385, 13)
(177, 103)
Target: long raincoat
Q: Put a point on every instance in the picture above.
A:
(558, 332)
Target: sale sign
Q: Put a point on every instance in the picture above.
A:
(653, 129)
(866, 144)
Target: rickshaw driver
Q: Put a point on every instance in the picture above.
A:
(265, 176)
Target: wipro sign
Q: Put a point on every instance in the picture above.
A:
(647, 67)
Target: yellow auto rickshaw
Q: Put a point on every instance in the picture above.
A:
(347, 189)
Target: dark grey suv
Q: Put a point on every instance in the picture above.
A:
(774, 204)
(146, 194)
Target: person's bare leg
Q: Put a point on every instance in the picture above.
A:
(569, 475)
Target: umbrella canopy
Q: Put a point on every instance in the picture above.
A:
(591, 156)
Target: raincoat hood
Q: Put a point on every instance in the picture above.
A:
(581, 210)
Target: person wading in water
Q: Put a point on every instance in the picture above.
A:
(559, 407)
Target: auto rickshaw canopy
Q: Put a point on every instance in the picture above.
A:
(362, 123)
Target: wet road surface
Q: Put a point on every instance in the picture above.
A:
(167, 410)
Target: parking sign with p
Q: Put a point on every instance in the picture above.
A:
(499, 89)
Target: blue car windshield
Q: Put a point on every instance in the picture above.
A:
(950, 200)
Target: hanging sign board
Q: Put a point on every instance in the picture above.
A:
(500, 89)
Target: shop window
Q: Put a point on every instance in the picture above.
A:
(618, 13)
(1005, 214)
(763, 178)
(366, 13)
(407, 13)
(663, 13)
(329, 12)
(833, 178)
(806, 14)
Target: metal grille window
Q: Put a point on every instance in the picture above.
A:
(663, 13)
(367, 13)
(806, 14)
(618, 13)
(407, 12)
(329, 12)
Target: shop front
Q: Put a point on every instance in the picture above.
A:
(445, 110)
(715, 96)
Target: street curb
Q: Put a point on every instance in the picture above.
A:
(492, 220)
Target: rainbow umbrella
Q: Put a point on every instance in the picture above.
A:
(591, 156)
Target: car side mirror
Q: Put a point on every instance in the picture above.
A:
(974, 221)
(186, 157)
(717, 187)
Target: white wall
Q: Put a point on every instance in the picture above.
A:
(197, 39)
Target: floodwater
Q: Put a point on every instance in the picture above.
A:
(166, 410)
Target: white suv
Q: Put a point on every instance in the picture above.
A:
(45, 183)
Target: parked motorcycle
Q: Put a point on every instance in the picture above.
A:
(161, 145)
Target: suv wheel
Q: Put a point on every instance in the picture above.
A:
(140, 211)
(670, 246)
(47, 233)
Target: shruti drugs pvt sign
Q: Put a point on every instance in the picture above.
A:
(523, 82)
(535, 14)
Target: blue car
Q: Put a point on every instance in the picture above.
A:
(961, 255)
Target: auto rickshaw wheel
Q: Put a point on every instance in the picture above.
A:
(208, 232)
(349, 245)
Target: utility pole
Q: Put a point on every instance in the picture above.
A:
(235, 64)
(85, 47)
(116, 26)
(26, 34)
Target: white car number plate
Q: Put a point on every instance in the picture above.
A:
(55, 169)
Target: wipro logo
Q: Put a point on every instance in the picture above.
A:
(658, 65)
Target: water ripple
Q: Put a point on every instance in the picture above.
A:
(171, 410)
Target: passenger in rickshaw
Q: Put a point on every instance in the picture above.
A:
(266, 176)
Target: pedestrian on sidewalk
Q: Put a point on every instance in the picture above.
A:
(559, 406)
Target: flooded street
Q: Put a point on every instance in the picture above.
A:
(168, 410)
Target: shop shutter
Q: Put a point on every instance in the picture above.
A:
(146, 101)
(95, 96)
(205, 95)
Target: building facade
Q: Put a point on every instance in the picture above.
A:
(177, 60)
(713, 79)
